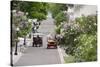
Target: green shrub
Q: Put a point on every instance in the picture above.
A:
(86, 48)
(82, 43)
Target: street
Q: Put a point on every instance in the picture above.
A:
(41, 55)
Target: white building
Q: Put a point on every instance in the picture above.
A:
(85, 10)
(79, 10)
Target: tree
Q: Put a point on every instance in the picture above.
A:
(35, 9)
(20, 20)
(56, 8)
(57, 11)
(82, 41)
(86, 49)
(60, 18)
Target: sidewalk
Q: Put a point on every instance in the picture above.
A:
(17, 57)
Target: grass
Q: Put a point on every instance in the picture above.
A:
(69, 59)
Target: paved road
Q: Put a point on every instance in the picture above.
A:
(38, 56)
(41, 55)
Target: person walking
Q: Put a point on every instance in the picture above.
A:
(39, 41)
(34, 41)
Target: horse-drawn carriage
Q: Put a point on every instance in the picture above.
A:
(52, 43)
(37, 39)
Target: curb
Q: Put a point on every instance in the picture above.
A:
(61, 55)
